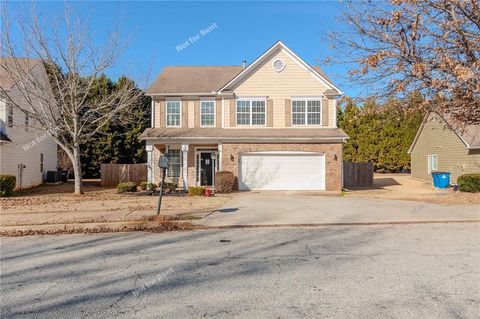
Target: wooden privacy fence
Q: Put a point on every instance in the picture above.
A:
(113, 174)
(357, 174)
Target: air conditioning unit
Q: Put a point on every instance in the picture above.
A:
(54, 177)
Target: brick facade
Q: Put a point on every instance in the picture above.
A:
(231, 154)
(333, 158)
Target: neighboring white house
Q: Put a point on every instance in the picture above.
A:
(25, 152)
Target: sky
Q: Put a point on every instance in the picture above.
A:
(238, 31)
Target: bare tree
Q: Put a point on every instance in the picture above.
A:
(428, 46)
(65, 109)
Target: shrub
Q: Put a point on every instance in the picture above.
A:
(128, 187)
(196, 190)
(169, 187)
(224, 182)
(7, 185)
(147, 186)
(469, 183)
(151, 186)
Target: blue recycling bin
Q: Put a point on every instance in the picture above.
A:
(441, 179)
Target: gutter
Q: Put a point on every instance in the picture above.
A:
(247, 139)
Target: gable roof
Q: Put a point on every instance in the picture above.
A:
(196, 80)
(316, 72)
(6, 80)
(468, 134)
(193, 79)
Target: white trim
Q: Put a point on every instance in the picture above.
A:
(220, 155)
(283, 65)
(152, 114)
(184, 173)
(306, 112)
(430, 162)
(178, 94)
(335, 113)
(198, 151)
(251, 99)
(283, 153)
(166, 112)
(223, 112)
(214, 112)
(294, 57)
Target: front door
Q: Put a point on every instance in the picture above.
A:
(206, 169)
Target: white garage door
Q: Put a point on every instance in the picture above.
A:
(282, 171)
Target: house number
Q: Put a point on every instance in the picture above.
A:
(207, 162)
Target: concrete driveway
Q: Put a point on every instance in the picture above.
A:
(312, 208)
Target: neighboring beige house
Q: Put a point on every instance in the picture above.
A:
(272, 123)
(443, 146)
(24, 152)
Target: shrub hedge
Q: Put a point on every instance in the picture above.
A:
(224, 182)
(170, 187)
(7, 185)
(147, 186)
(196, 190)
(128, 187)
(469, 183)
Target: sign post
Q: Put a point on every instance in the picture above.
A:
(163, 164)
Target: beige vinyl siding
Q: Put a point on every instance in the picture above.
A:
(293, 81)
(25, 148)
(159, 113)
(331, 112)
(191, 113)
(453, 156)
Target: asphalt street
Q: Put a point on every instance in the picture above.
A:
(393, 271)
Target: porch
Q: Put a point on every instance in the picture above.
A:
(189, 164)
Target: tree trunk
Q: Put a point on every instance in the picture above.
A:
(77, 169)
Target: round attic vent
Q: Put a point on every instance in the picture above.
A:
(278, 65)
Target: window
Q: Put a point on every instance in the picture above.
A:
(432, 163)
(41, 162)
(278, 65)
(27, 120)
(207, 113)
(306, 112)
(174, 163)
(251, 112)
(9, 115)
(173, 113)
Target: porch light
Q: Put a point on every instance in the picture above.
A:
(232, 158)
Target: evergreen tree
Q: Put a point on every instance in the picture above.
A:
(381, 134)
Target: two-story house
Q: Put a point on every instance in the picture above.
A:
(25, 152)
(272, 123)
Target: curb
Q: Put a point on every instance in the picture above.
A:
(112, 227)
(104, 227)
(453, 221)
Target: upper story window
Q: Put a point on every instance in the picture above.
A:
(251, 112)
(174, 162)
(306, 112)
(173, 113)
(207, 113)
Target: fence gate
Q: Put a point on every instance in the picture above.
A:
(113, 174)
(357, 174)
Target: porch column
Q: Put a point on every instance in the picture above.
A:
(150, 162)
(185, 166)
(220, 148)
